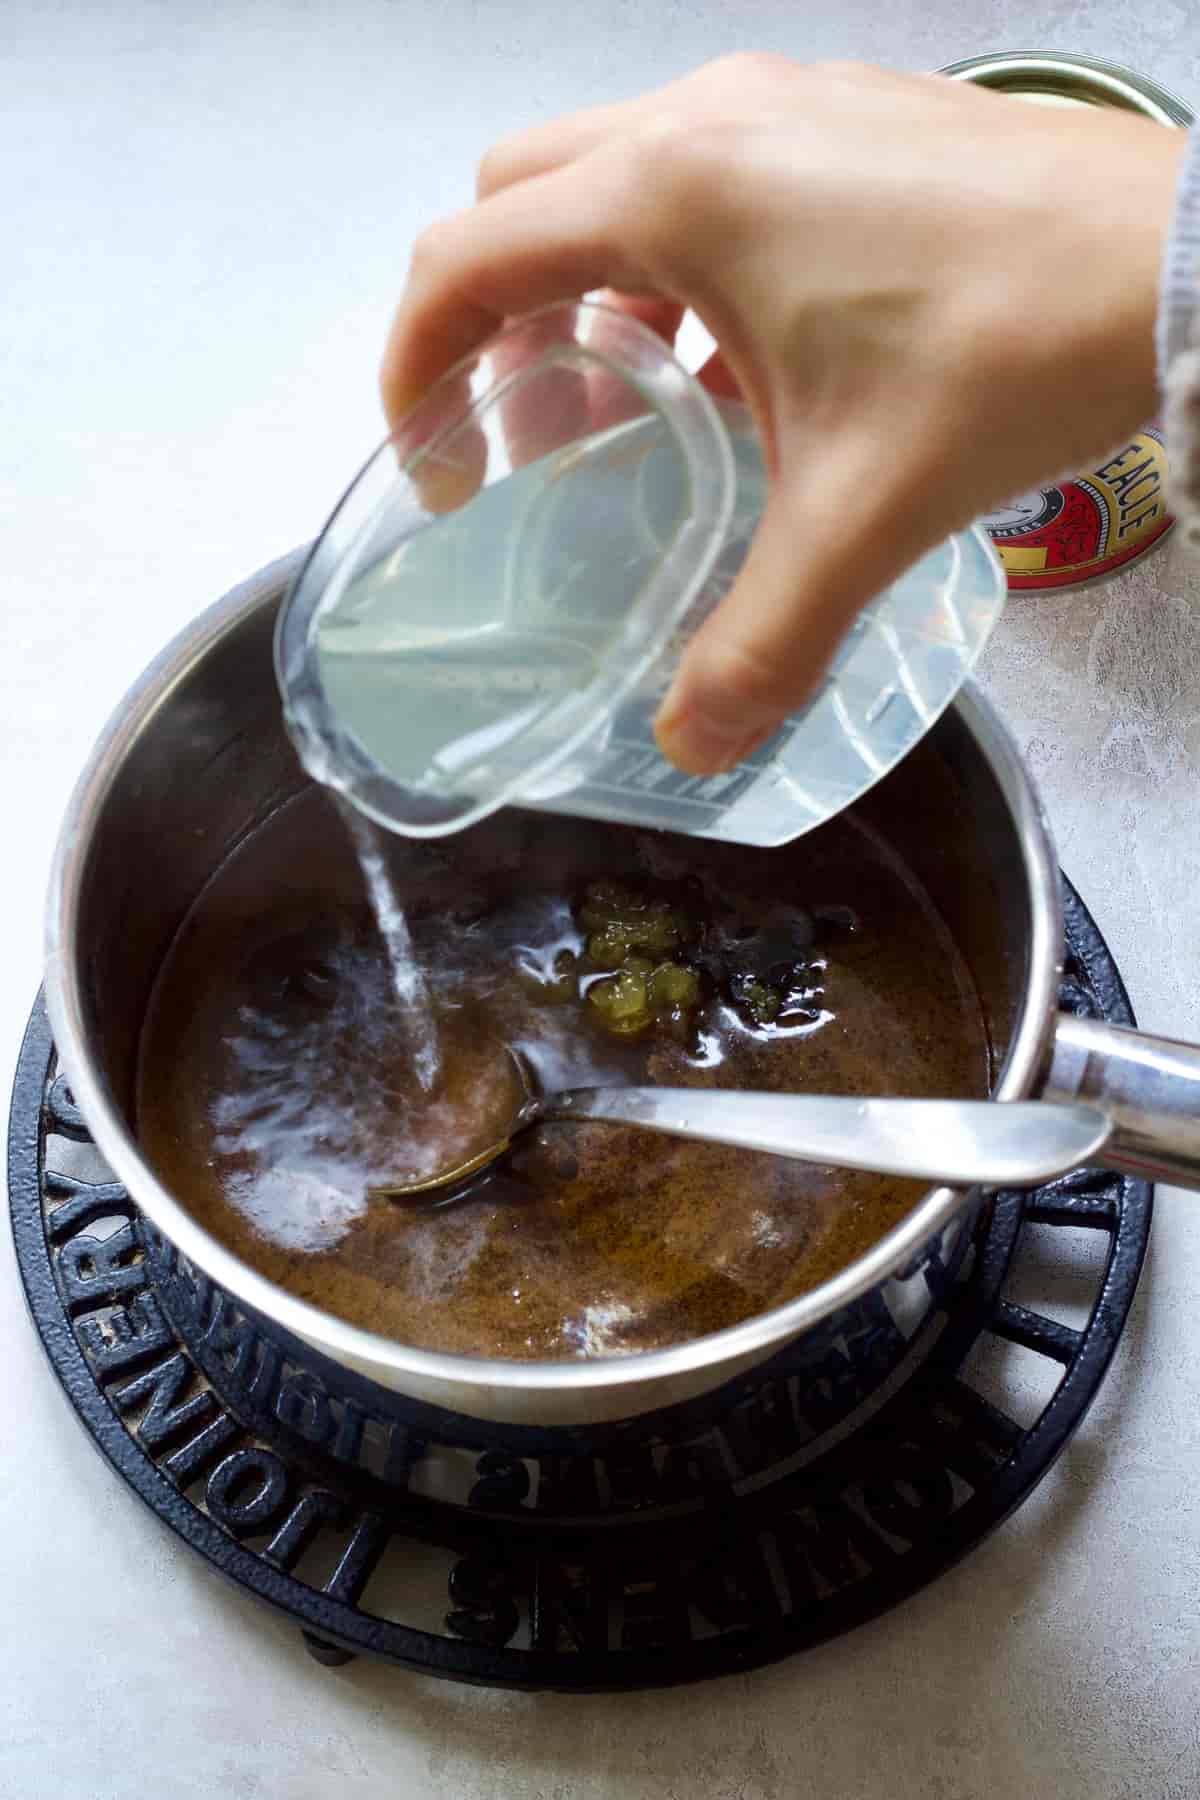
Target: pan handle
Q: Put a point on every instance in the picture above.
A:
(1148, 1086)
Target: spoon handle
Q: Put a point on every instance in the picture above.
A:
(962, 1143)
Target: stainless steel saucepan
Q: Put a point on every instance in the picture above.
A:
(197, 756)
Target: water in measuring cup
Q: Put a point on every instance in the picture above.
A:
(449, 647)
(446, 652)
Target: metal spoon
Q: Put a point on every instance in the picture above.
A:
(959, 1143)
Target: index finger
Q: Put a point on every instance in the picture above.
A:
(553, 237)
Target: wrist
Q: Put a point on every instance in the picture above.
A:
(1068, 292)
(1179, 342)
(1114, 261)
(1179, 295)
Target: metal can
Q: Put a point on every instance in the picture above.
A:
(1081, 530)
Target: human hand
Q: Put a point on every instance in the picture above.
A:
(930, 296)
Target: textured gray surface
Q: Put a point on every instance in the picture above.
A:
(206, 217)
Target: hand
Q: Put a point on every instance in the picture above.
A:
(930, 295)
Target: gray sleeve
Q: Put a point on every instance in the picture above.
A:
(1178, 344)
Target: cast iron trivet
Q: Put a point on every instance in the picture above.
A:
(777, 1513)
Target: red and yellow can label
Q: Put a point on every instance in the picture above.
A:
(1059, 536)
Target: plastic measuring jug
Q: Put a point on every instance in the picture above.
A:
(495, 609)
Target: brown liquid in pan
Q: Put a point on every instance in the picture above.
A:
(276, 1093)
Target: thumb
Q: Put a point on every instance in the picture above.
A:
(826, 546)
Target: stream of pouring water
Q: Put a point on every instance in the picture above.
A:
(408, 981)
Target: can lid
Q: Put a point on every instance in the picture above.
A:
(1056, 78)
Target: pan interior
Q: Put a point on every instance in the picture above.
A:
(281, 1085)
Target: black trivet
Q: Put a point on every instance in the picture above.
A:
(798, 1502)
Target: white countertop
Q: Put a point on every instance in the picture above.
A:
(206, 214)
